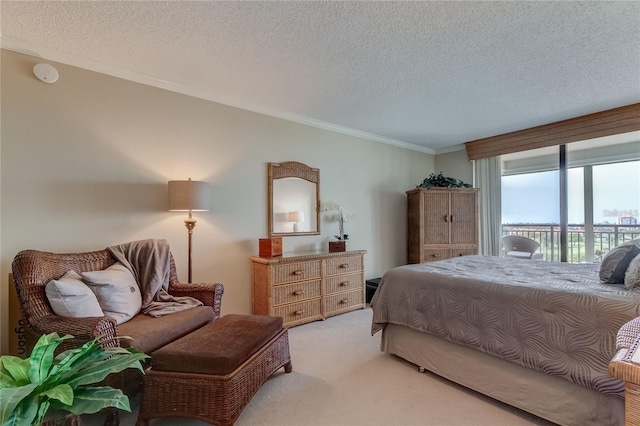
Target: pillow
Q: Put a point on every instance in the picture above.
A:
(632, 277)
(615, 263)
(116, 290)
(70, 297)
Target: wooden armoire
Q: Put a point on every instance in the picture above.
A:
(442, 223)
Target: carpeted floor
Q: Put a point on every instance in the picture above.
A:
(340, 377)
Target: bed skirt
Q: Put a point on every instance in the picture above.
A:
(551, 398)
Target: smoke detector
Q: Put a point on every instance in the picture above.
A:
(46, 73)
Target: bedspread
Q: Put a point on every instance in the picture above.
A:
(552, 317)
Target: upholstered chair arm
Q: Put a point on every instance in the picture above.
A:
(82, 329)
(208, 294)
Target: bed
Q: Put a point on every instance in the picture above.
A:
(535, 335)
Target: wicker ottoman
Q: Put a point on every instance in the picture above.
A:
(212, 373)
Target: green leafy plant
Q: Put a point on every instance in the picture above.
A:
(30, 388)
(440, 181)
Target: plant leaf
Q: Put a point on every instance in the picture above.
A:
(97, 372)
(63, 393)
(41, 358)
(6, 381)
(68, 362)
(89, 400)
(16, 368)
(42, 411)
(10, 398)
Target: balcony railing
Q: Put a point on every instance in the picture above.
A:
(605, 237)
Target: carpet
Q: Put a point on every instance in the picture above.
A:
(340, 377)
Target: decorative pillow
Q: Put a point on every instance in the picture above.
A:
(632, 277)
(70, 297)
(116, 290)
(615, 263)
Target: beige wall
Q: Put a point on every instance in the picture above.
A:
(456, 165)
(85, 164)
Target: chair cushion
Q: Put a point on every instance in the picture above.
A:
(69, 296)
(149, 333)
(220, 347)
(117, 291)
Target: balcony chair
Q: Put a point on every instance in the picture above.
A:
(519, 247)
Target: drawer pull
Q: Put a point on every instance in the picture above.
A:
(298, 292)
(299, 312)
(344, 265)
(298, 272)
(344, 301)
(435, 255)
(460, 254)
(344, 283)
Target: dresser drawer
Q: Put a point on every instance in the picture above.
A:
(292, 272)
(343, 301)
(343, 283)
(344, 265)
(307, 310)
(295, 292)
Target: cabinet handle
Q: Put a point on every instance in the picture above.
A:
(460, 254)
(446, 218)
(453, 218)
(435, 255)
(344, 265)
(344, 301)
(298, 272)
(298, 292)
(344, 283)
(299, 312)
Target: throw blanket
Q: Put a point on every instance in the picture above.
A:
(556, 318)
(148, 261)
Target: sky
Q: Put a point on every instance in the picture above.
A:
(533, 197)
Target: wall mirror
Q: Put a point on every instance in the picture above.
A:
(294, 199)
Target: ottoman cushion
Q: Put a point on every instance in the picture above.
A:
(219, 347)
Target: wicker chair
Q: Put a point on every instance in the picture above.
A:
(33, 269)
(520, 247)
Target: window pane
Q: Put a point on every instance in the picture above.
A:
(575, 192)
(616, 192)
(531, 198)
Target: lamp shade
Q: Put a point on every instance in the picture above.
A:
(189, 194)
(296, 216)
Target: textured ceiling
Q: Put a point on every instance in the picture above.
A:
(421, 74)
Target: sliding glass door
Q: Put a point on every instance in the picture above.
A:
(602, 197)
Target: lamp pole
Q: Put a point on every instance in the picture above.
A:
(190, 223)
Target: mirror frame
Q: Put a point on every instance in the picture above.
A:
(290, 169)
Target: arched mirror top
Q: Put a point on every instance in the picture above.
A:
(294, 199)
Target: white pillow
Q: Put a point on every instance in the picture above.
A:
(116, 290)
(70, 297)
(632, 276)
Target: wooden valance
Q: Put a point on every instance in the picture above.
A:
(605, 123)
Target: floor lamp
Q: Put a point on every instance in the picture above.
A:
(189, 195)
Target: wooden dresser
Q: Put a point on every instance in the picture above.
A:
(442, 223)
(305, 287)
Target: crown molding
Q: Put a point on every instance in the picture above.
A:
(73, 60)
(448, 149)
